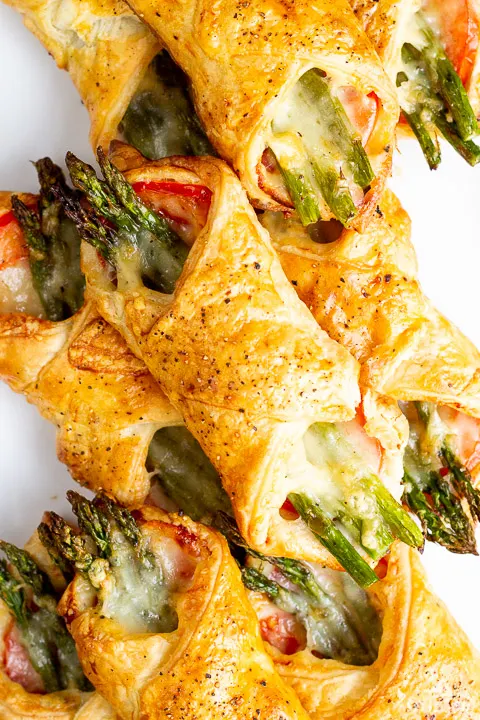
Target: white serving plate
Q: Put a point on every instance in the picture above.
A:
(41, 114)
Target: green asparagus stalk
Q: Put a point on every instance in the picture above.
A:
(437, 487)
(160, 252)
(336, 543)
(68, 544)
(47, 539)
(160, 120)
(256, 581)
(301, 193)
(334, 190)
(43, 633)
(333, 117)
(187, 476)
(439, 91)
(53, 244)
(448, 85)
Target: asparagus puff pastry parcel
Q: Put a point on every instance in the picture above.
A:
(430, 50)
(262, 388)
(130, 87)
(391, 652)
(40, 674)
(364, 291)
(292, 96)
(75, 368)
(160, 617)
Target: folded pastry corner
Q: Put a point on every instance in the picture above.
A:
(364, 291)
(160, 617)
(417, 663)
(105, 48)
(297, 102)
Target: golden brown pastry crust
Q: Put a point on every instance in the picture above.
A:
(18, 704)
(104, 47)
(243, 60)
(82, 377)
(237, 354)
(384, 22)
(104, 402)
(364, 291)
(426, 667)
(213, 666)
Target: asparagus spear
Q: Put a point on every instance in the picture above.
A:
(255, 580)
(336, 543)
(50, 647)
(438, 91)
(160, 120)
(308, 160)
(127, 577)
(437, 487)
(161, 254)
(185, 473)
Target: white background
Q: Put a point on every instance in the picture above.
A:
(41, 114)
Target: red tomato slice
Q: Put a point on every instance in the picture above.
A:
(284, 632)
(361, 110)
(17, 664)
(12, 243)
(458, 25)
(187, 205)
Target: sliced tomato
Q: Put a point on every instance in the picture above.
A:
(467, 436)
(284, 632)
(12, 242)
(186, 205)
(361, 110)
(17, 664)
(458, 24)
(288, 512)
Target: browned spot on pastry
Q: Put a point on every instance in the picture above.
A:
(99, 348)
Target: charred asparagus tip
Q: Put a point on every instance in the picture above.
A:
(68, 544)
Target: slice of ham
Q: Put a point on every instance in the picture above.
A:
(17, 664)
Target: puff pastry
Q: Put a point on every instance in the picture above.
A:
(16, 703)
(426, 667)
(214, 348)
(212, 665)
(364, 291)
(245, 62)
(82, 377)
(105, 48)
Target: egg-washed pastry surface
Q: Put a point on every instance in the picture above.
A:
(78, 371)
(129, 85)
(161, 621)
(282, 431)
(430, 50)
(40, 674)
(393, 651)
(105, 48)
(364, 291)
(294, 98)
